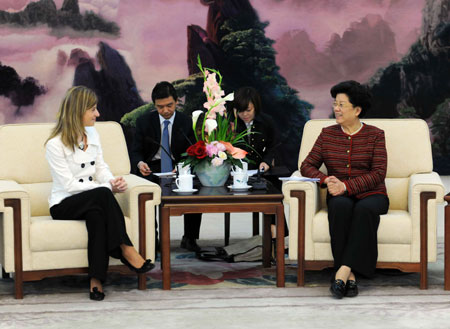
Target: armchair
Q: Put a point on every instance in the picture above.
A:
(406, 234)
(32, 244)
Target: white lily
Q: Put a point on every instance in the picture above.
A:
(195, 116)
(227, 98)
(210, 125)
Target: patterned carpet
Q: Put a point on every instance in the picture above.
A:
(226, 295)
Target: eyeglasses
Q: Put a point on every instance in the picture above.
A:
(341, 105)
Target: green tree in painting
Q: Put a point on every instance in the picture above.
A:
(440, 128)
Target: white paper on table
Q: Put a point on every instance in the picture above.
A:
(249, 172)
(300, 179)
(164, 174)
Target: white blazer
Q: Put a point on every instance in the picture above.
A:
(76, 171)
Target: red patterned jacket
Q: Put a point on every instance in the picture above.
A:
(358, 160)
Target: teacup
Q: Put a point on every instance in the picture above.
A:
(183, 170)
(184, 182)
(240, 180)
(244, 168)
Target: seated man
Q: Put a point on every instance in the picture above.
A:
(161, 137)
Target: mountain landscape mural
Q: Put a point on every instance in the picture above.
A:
(293, 51)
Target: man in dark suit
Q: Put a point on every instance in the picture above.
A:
(161, 137)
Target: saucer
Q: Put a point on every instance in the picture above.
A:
(185, 191)
(244, 188)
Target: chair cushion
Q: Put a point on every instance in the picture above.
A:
(47, 234)
(395, 228)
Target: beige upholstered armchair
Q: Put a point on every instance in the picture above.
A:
(32, 244)
(406, 234)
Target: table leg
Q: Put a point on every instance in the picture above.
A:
(255, 220)
(267, 241)
(165, 247)
(227, 228)
(280, 246)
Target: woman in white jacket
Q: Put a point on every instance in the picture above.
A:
(83, 187)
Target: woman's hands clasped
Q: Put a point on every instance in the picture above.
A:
(118, 185)
(335, 186)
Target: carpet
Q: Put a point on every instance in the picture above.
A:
(227, 295)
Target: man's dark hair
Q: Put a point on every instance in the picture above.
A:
(357, 94)
(243, 96)
(162, 90)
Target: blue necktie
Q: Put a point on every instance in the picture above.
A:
(166, 160)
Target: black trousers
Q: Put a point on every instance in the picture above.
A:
(192, 222)
(353, 227)
(104, 222)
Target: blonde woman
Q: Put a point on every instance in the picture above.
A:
(83, 187)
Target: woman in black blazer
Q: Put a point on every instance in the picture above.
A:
(263, 138)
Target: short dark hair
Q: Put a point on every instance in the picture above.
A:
(358, 94)
(243, 96)
(162, 90)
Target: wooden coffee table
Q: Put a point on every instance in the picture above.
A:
(222, 200)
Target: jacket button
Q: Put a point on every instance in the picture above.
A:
(348, 151)
(92, 162)
(90, 178)
(349, 137)
(82, 165)
(348, 165)
(81, 180)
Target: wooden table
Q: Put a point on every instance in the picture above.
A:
(221, 200)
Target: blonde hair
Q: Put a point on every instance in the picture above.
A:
(70, 115)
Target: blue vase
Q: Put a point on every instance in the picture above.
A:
(210, 175)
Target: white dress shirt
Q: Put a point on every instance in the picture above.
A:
(76, 171)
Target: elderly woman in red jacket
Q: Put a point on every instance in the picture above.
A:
(356, 160)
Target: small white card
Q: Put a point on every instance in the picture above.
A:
(164, 174)
(300, 179)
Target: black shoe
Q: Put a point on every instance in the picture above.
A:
(190, 244)
(337, 289)
(157, 245)
(351, 289)
(274, 248)
(97, 295)
(147, 266)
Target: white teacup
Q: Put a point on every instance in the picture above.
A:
(183, 170)
(240, 180)
(184, 182)
(243, 169)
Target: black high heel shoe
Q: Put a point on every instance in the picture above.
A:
(147, 266)
(97, 295)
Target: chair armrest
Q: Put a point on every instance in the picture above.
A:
(424, 192)
(429, 182)
(310, 208)
(133, 203)
(15, 209)
(136, 186)
(310, 188)
(11, 190)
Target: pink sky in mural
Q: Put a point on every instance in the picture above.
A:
(153, 40)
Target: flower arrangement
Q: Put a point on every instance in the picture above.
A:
(215, 137)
